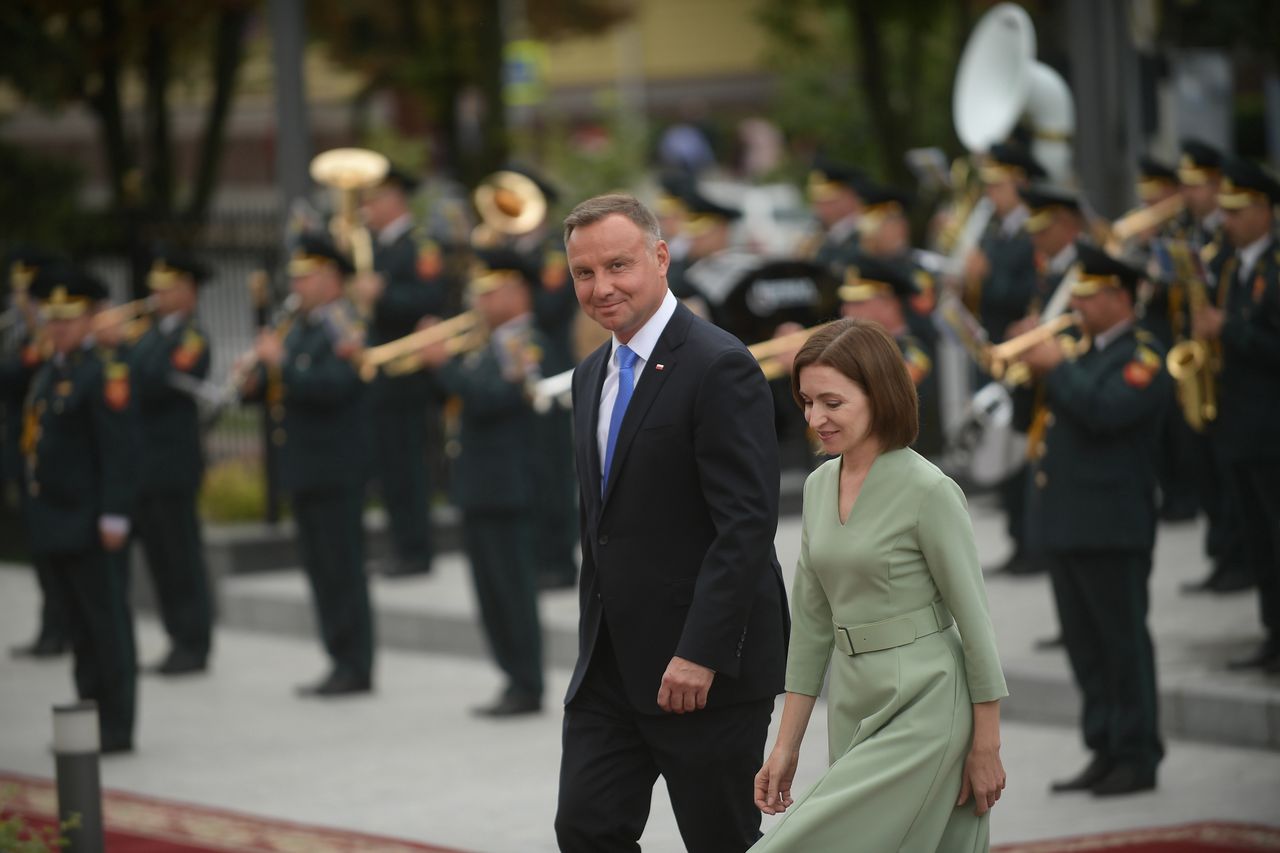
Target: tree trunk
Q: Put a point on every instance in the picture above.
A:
(872, 63)
(105, 103)
(489, 38)
(228, 53)
(158, 139)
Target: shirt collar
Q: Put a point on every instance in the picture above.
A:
(643, 341)
(1065, 258)
(1211, 222)
(170, 322)
(1249, 254)
(1102, 341)
(395, 229)
(842, 229)
(1014, 220)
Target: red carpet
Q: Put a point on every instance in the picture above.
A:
(1187, 838)
(137, 824)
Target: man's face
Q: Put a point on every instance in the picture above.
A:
(68, 335)
(179, 297)
(1201, 199)
(619, 279)
(317, 287)
(842, 203)
(883, 308)
(1003, 194)
(1055, 237)
(503, 303)
(382, 206)
(712, 239)
(1247, 224)
(1102, 310)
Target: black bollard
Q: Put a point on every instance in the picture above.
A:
(75, 749)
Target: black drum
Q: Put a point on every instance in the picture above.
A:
(777, 292)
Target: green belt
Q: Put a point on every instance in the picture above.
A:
(891, 633)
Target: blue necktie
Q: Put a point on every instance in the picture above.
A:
(626, 385)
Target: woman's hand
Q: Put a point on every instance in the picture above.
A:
(983, 778)
(773, 782)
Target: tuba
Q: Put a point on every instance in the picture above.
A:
(348, 171)
(510, 205)
(1193, 363)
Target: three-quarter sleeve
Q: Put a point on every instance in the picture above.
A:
(945, 533)
(812, 632)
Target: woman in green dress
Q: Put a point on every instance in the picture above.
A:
(888, 580)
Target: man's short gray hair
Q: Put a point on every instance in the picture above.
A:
(594, 210)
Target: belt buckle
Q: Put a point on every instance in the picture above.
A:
(842, 633)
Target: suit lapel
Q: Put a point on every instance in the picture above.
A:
(647, 390)
(589, 415)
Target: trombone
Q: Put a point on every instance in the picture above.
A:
(462, 333)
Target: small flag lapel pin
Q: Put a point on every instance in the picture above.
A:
(659, 366)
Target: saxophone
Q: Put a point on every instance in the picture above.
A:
(1194, 362)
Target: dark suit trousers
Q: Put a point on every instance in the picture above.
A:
(170, 533)
(1256, 491)
(94, 587)
(613, 755)
(400, 452)
(555, 529)
(331, 539)
(499, 547)
(1102, 606)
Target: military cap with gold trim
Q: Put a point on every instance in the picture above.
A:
(829, 177)
(495, 267)
(1155, 178)
(66, 292)
(1005, 161)
(703, 213)
(21, 265)
(1099, 271)
(312, 251)
(870, 277)
(1044, 200)
(1199, 164)
(674, 187)
(169, 264)
(881, 200)
(1244, 183)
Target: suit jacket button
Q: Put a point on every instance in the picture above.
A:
(604, 539)
(1042, 479)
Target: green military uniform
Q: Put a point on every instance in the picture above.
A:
(20, 359)
(1011, 285)
(318, 404)
(80, 450)
(495, 481)
(166, 518)
(837, 246)
(1249, 393)
(1092, 513)
(403, 410)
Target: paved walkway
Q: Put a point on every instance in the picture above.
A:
(410, 762)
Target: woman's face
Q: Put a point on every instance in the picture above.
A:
(835, 407)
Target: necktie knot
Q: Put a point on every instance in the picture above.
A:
(626, 357)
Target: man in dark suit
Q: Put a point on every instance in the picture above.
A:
(1092, 512)
(173, 351)
(683, 633)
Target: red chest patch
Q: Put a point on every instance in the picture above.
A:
(1138, 375)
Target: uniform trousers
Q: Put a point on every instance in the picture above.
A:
(53, 609)
(1179, 476)
(169, 529)
(1102, 603)
(400, 453)
(498, 545)
(613, 755)
(1256, 487)
(331, 539)
(93, 584)
(555, 527)
(1224, 541)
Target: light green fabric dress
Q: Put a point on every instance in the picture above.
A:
(900, 719)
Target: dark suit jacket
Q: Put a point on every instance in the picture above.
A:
(677, 555)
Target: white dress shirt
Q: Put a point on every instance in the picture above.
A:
(642, 344)
(1249, 256)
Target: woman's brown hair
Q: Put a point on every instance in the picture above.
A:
(864, 353)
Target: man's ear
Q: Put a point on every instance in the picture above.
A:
(664, 256)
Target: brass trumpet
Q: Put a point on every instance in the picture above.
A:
(769, 353)
(1132, 224)
(1003, 360)
(462, 333)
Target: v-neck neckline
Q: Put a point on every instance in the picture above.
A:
(844, 523)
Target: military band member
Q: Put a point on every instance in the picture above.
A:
(885, 229)
(79, 444)
(495, 481)
(21, 357)
(1201, 227)
(835, 193)
(171, 356)
(1092, 512)
(882, 291)
(715, 265)
(672, 213)
(1247, 322)
(306, 375)
(1000, 275)
(406, 284)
